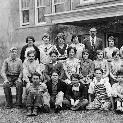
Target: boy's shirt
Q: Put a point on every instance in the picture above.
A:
(42, 88)
(11, 67)
(103, 83)
(117, 89)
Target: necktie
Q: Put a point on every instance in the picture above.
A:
(92, 43)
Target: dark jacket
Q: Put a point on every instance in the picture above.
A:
(61, 86)
(98, 46)
(22, 55)
(82, 94)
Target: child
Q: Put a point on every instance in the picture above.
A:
(117, 91)
(12, 75)
(101, 88)
(57, 90)
(36, 96)
(76, 93)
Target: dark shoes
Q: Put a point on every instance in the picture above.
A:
(58, 109)
(35, 111)
(46, 109)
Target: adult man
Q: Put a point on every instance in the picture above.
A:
(12, 74)
(30, 46)
(93, 43)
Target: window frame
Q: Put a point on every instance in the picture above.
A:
(36, 13)
(21, 14)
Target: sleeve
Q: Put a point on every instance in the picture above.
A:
(25, 72)
(22, 54)
(114, 90)
(91, 88)
(37, 53)
(108, 88)
(4, 69)
(21, 70)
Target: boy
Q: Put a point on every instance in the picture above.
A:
(76, 93)
(12, 75)
(117, 91)
(56, 89)
(36, 96)
(102, 90)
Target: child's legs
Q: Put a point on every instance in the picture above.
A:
(94, 105)
(106, 105)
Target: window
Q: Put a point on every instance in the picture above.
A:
(58, 6)
(86, 1)
(24, 12)
(40, 11)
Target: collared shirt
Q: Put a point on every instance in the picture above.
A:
(11, 67)
(92, 39)
(44, 53)
(29, 68)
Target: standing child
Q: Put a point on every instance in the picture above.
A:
(117, 91)
(102, 90)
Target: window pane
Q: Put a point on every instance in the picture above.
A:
(41, 12)
(24, 4)
(25, 14)
(59, 8)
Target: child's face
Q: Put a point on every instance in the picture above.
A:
(46, 40)
(53, 57)
(60, 40)
(35, 80)
(100, 55)
(71, 53)
(98, 74)
(111, 42)
(54, 77)
(116, 56)
(85, 55)
(76, 40)
(13, 54)
(30, 42)
(75, 81)
(120, 79)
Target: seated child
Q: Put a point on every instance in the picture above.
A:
(36, 96)
(76, 93)
(56, 89)
(117, 91)
(101, 88)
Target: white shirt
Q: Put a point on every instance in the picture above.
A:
(91, 40)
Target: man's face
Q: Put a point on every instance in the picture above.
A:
(31, 57)
(75, 81)
(35, 80)
(13, 54)
(60, 40)
(85, 55)
(54, 77)
(98, 74)
(100, 55)
(111, 42)
(71, 53)
(93, 33)
(30, 42)
(53, 57)
(46, 40)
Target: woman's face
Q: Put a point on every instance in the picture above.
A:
(116, 57)
(71, 53)
(46, 40)
(60, 40)
(76, 40)
(111, 43)
(85, 55)
(100, 56)
(30, 42)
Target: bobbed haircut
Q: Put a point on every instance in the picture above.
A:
(30, 37)
(69, 49)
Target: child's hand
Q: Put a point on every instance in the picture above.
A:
(72, 102)
(76, 102)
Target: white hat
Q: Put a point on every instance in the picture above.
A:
(93, 29)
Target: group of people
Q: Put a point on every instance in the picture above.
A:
(72, 76)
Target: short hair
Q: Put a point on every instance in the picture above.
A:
(85, 51)
(98, 69)
(115, 52)
(73, 36)
(69, 49)
(31, 52)
(13, 48)
(54, 71)
(46, 35)
(30, 37)
(53, 51)
(119, 73)
(111, 38)
(35, 74)
(75, 76)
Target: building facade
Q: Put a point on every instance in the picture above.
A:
(35, 17)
